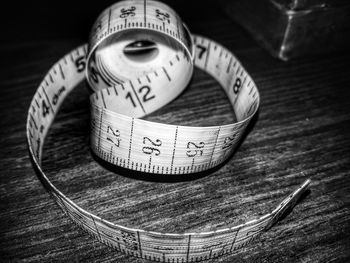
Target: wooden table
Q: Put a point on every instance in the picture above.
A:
(302, 131)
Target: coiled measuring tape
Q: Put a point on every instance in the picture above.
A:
(140, 56)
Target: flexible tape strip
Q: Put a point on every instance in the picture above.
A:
(122, 139)
(169, 149)
(167, 247)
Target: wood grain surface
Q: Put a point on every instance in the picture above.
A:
(302, 131)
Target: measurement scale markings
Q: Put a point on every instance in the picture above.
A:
(33, 120)
(149, 164)
(71, 57)
(31, 134)
(103, 99)
(99, 133)
(192, 164)
(47, 98)
(174, 148)
(234, 239)
(177, 29)
(111, 154)
(207, 57)
(98, 233)
(36, 102)
(109, 20)
(51, 79)
(166, 73)
(137, 97)
(229, 65)
(238, 69)
(130, 142)
(144, 13)
(216, 140)
(61, 71)
(188, 248)
(115, 90)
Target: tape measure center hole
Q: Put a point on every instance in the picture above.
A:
(141, 51)
(133, 53)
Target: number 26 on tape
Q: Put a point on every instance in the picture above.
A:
(152, 146)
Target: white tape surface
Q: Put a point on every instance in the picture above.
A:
(139, 58)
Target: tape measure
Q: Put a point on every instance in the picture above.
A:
(140, 57)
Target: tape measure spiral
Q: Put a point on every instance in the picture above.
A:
(140, 57)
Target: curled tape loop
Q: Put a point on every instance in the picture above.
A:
(140, 57)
